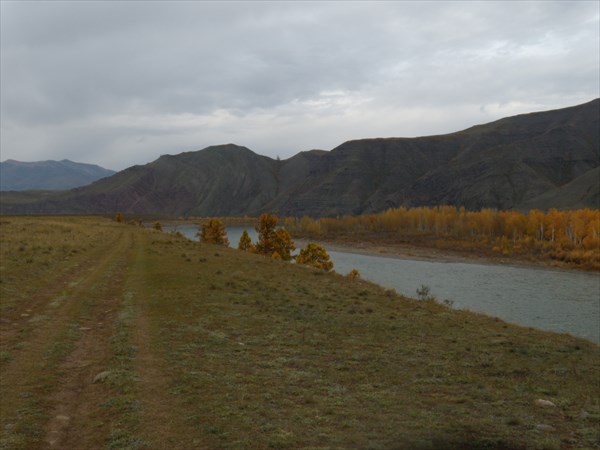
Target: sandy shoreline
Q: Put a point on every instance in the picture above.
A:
(403, 251)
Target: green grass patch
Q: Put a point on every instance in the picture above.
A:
(124, 405)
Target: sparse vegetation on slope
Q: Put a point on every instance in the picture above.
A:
(169, 343)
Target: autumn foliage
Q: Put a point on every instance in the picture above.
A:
(273, 241)
(353, 274)
(245, 242)
(568, 236)
(316, 256)
(213, 232)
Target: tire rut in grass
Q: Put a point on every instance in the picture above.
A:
(51, 291)
(35, 370)
(78, 418)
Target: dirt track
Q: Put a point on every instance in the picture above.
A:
(61, 340)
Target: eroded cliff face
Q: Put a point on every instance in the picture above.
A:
(537, 160)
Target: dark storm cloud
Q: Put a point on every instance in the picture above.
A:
(121, 82)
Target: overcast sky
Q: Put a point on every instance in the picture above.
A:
(120, 83)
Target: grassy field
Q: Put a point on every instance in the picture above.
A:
(118, 337)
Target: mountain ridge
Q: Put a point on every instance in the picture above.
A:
(512, 163)
(48, 175)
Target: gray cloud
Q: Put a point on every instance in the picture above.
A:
(119, 83)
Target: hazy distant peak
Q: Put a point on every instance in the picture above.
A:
(48, 175)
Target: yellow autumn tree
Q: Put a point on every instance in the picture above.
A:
(273, 240)
(213, 232)
(245, 243)
(284, 245)
(316, 256)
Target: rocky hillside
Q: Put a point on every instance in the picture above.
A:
(538, 160)
(48, 175)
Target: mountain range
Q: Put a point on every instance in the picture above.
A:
(537, 160)
(48, 175)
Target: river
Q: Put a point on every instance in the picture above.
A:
(564, 301)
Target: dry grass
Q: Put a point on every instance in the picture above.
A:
(214, 348)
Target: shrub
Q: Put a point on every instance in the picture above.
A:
(353, 274)
(213, 232)
(158, 226)
(316, 256)
(423, 293)
(119, 218)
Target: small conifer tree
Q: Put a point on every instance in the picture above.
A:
(119, 217)
(266, 234)
(315, 255)
(272, 239)
(245, 243)
(284, 245)
(158, 226)
(213, 232)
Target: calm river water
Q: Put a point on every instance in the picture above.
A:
(556, 300)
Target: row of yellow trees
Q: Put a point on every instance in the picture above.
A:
(572, 236)
(273, 241)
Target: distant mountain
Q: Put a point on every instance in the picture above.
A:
(48, 175)
(538, 160)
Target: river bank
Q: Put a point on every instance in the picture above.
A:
(433, 254)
